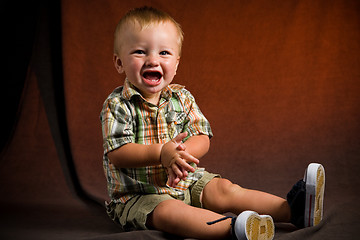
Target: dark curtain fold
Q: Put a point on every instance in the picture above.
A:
(34, 44)
(47, 65)
(18, 31)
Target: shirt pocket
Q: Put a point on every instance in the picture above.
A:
(175, 122)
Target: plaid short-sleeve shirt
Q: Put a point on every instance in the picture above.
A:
(127, 117)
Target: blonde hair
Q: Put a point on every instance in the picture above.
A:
(145, 17)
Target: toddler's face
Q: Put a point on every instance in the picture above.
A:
(149, 57)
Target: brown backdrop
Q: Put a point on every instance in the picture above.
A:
(278, 80)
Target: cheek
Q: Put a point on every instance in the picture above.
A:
(133, 66)
(171, 67)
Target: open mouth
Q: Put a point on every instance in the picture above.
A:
(152, 78)
(152, 75)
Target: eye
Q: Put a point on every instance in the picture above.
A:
(164, 53)
(139, 51)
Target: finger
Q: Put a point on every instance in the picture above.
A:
(185, 174)
(188, 157)
(178, 139)
(185, 166)
(177, 171)
(181, 147)
(176, 181)
(171, 177)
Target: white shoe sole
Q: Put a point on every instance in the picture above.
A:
(249, 225)
(315, 186)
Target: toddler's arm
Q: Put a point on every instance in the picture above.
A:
(174, 155)
(134, 155)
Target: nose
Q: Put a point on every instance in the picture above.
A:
(152, 60)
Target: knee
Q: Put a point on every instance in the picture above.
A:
(221, 187)
(227, 188)
(218, 194)
(161, 214)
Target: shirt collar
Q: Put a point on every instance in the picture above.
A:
(130, 91)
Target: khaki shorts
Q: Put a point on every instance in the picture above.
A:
(132, 215)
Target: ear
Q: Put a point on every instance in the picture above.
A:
(118, 64)
(177, 64)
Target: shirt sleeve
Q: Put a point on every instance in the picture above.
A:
(196, 124)
(117, 124)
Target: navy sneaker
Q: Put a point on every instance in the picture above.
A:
(249, 225)
(306, 198)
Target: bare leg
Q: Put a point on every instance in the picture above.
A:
(220, 195)
(176, 217)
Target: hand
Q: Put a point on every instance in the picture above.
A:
(175, 159)
(173, 180)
